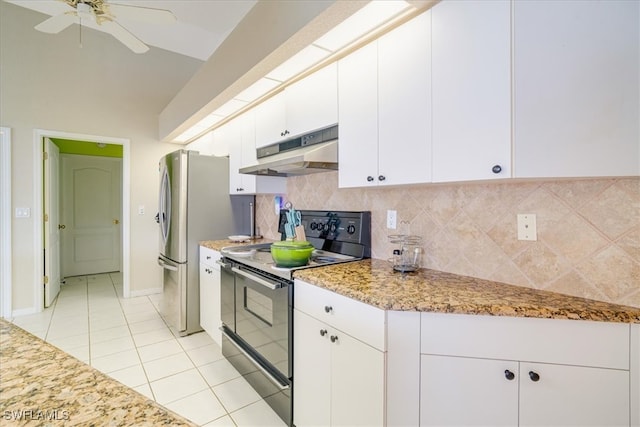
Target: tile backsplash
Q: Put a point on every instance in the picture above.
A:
(588, 230)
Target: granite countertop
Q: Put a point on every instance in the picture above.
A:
(42, 385)
(374, 282)
(217, 245)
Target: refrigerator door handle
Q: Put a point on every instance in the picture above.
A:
(166, 266)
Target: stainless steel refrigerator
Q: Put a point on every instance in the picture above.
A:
(194, 205)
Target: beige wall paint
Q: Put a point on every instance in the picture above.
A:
(588, 230)
(49, 82)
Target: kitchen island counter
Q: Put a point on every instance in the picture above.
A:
(42, 385)
(375, 283)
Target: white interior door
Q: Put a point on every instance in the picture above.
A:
(91, 210)
(51, 222)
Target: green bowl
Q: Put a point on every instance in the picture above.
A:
(291, 253)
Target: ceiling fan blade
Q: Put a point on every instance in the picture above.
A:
(125, 37)
(142, 14)
(56, 23)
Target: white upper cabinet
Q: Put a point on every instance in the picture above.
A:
(576, 80)
(312, 103)
(270, 121)
(404, 103)
(239, 135)
(471, 80)
(308, 104)
(358, 118)
(384, 109)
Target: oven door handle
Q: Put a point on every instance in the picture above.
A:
(256, 364)
(263, 282)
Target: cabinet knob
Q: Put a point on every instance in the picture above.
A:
(370, 178)
(208, 256)
(534, 376)
(381, 178)
(328, 309)
(509, 375)
(496, 169)
(334, 338)
(323, 332)
(240, 189)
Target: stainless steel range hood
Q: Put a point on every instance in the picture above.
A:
(309, 153)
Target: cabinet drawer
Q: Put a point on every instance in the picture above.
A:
(209, 257)
(571, 342)
(360, 320)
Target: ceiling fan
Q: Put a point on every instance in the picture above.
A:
(105, 15)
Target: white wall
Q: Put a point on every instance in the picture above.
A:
(49, 82)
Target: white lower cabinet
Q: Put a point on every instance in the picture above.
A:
(210, 293)
(534, 385)
(459, 391)
(339, 380)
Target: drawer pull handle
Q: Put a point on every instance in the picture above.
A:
(534, 376)
(334, 338)
(509, 375)
(328, 309)
(323, 332)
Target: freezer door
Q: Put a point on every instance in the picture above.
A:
(173, 305)
(172, 207)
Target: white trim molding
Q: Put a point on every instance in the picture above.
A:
(5, 222)
(39, 134)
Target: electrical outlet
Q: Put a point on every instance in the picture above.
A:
(527, 227)
(23, 212)
(391, 219)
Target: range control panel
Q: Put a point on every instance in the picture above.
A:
(353, 227)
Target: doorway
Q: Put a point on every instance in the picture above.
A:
(5, 222)
(123, 221)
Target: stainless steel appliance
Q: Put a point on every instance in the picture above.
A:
(194, 205)
(257, 300)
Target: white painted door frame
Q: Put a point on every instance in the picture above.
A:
(5, 222)
(39, 134)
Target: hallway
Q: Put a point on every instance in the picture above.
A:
(129, 341)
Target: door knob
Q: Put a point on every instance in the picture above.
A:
(116, 222)
(61, 226)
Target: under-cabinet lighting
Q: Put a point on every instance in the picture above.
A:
(256, 90)
(199, 127)
(303, 60)
(362, 22)
(230, 107)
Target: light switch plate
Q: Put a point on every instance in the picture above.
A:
(23, 212)
(391, 219)
(527, 227)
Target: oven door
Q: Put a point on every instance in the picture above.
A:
(263, 317)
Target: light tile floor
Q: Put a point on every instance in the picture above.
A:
(127, 339)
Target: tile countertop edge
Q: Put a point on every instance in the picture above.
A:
(375, 283)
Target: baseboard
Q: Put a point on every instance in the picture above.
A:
(24, 312)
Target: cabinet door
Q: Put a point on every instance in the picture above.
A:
(576, 88)
(471, 89)
(404, 103)
(573, 395)
(458, 391)
(357, 382)
(230, 133)
(210, 300)
(358, 118)
(312, 103)
(270, 121)
(311, 370)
